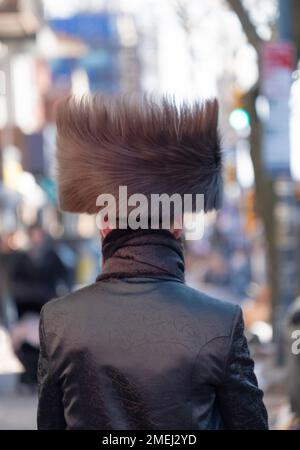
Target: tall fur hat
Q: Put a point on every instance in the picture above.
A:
(150, 146)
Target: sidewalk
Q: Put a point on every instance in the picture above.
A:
(17, 411)
(272, 380)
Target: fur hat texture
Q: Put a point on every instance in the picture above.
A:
(152, 146)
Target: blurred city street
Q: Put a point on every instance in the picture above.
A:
(17, 412)
(246, 54)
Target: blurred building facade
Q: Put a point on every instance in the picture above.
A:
(43, 59)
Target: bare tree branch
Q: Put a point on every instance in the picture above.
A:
(248, 27)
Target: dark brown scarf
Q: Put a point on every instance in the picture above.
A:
(142, 253)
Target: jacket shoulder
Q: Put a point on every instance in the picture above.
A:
(60, 306)
(202, 304)
(211, 317)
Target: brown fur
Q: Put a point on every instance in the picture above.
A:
(151, 146)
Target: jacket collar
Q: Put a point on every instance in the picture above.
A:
(142, 253)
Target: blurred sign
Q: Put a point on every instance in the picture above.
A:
(95, 29)
(102, 68)
(101, 61)
(61, 72)
(277, 64)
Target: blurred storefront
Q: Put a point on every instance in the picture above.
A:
(42, 60)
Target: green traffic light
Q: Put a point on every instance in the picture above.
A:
(239, 119)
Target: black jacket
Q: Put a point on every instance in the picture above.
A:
(140, 350)
(32, 281)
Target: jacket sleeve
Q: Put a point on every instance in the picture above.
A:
(240, 399)
(50, 414)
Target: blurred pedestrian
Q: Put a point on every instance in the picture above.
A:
(38, 274)
(35, 278)
(8, 260)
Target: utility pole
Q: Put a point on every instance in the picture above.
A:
(296, 28)
(285, 20)
(285, 203)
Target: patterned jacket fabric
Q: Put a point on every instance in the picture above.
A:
(139, 349)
